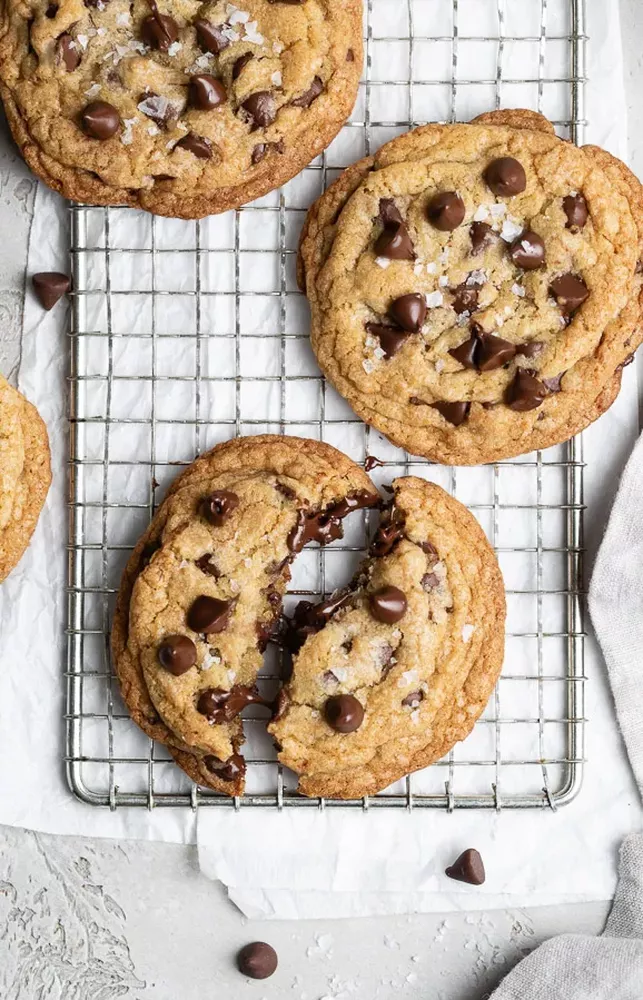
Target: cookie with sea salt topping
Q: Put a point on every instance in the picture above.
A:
(203, 589)
(25, 474)
(475, 289)
(392, 672)
(184, 109)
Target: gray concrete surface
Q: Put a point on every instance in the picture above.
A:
(96, 920)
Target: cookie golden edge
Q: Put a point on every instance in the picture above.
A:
(272, 453)
(15, 538)
(620, 339)
(481, 679)
(75, 184)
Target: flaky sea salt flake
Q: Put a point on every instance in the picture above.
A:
(467, 632)
(382, 262)
(434, 300)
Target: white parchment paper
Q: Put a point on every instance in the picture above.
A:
(304, 863)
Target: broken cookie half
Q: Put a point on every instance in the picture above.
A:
(389, 674)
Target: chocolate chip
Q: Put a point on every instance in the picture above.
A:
(388, 605)
(371, 462)
(313, 92)
(223, 706)
(310, 618)
(100, 120)
(210, 36)
(466, 353)
(344, 713)
(206, 92)
(51, 11)
(206, 564)
(261, 108)
(528, 251)
(481, 235)
(494, 352)
(389, 212)
(227, 770)
(429, 581)
(390, 337)
(196, 144)
(263, 148)
(324, 526)
(258, 960)
(531, 349)
(413, 700)
(570, 292)
(465, 299)
(239, 63)
(469, 868)
(158, 30)
(350, 55)
(446, 211)
(68, 52)
(386, 538)
(429, 548)
(161, 110)
(177, 653)
(286, 491)
(409, 312)
(209, 614)
(454, 413)
(217, 507)
(506, 177)
(394, 243)
(49, 287)
(525, 392)
(553, 384)
(575, 208)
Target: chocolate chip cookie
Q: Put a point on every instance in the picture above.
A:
(184, 109)
(25, 474)
(203, 590)
(476, 289)
(396, 669)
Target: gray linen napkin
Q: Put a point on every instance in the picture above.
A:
(574, 967)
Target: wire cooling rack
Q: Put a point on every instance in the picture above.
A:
(185, 334)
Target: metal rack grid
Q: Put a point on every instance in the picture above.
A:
(233, 357)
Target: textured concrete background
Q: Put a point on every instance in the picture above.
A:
(97, 920)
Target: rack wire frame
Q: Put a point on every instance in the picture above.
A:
(89, 606)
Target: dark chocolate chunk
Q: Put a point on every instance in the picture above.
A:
(525, 392)
(206, 92)
(100, 120)
(446, 211)
(262, 149)
(158, 30)
(207, 565)
(506, 177)
(239, 63)
(344, 713)
(261, 109)
(177, 653)
(469, 868)
(575, 208)
(467, 352)
(209, 614)
(454, 413)
(210, 36)
(388, 605)
(313, 92)
(371, 462)
(217, 507)
(494, 352)
(465, 298)
(528, 251)
(68, 52)
(227, 770)
(196, 144)
(394, 243)
(570, 292)
(49, 287)
(409, 312)
(481, 236)
(386, 538)
(324, 526)
(223, 706)
(258, 960)
(413, 700)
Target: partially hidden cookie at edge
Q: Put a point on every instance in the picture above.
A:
(476, 289)
(389, 674)
(25, 474)
(183, 110)
(203, 589)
